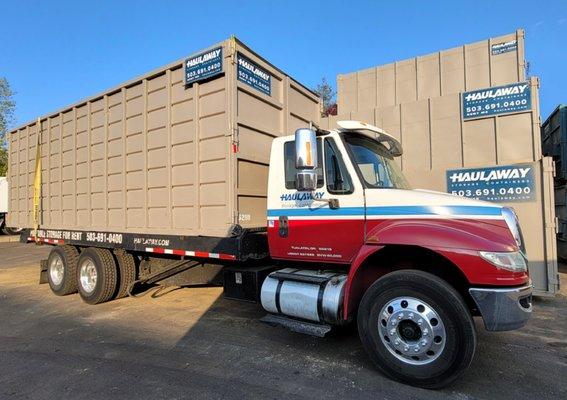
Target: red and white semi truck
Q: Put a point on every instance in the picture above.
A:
(190, 173)
(347, 240)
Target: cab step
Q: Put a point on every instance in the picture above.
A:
(295, 325)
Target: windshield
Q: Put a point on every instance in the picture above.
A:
(375, 164)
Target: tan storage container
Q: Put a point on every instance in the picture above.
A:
(154, 155)
(436, 139)
(420, 102)
(492, 62)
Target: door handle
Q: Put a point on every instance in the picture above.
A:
(283, 226)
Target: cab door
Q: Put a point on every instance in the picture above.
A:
(304, 225)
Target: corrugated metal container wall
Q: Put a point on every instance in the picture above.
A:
(469, 67)
(435, 138)
(554, 144)
(420, 102)
(554, 140)
(155, 156)
(259, 119)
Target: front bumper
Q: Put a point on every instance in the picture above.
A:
(503, 309)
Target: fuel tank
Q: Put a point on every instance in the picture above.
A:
(305, 294)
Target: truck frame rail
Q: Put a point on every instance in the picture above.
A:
(243, 245)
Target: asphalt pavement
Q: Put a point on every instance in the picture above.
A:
(191, 343)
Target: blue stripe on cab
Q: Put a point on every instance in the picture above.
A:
(387, 210)
(434, 210)
(316, 212)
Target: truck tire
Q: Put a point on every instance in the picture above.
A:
(96, 275)
(126, 272)
(417, 329)
(11, 231)
(62, 270)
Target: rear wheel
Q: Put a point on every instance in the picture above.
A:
(126, 272)
(61, 270)
(417, 329)
(96, 275)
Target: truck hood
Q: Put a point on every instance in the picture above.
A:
(417, 203)
(435, 220)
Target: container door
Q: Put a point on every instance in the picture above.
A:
(306, 226)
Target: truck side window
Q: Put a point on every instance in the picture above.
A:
(338, 179)
(289, 167)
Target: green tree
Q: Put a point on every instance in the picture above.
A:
(7, 106)
(327, 95)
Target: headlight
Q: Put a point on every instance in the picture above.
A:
(513, 261)
(514, 225)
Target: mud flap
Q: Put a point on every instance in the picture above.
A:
(42, 271)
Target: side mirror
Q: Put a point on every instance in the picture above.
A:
(305, 160)
(306, 181)
(305, 149)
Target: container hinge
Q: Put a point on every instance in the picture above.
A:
(549, 167)
(232, 48)
(554, 280)
(553, 224)
(234, 142)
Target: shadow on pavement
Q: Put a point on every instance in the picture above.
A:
(192, 343)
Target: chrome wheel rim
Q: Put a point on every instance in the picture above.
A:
(412, 330)
(56, 270)
(88, 275)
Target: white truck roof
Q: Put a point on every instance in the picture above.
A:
(3, 195)
(394, 146)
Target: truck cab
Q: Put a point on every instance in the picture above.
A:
(4, 228)
(414, 266)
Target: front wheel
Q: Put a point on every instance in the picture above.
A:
(417, 329)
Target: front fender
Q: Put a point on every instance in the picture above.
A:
(456, 241)
(357, 283)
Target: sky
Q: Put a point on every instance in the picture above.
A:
(55, 53)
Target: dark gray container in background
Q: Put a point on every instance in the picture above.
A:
(554, 144)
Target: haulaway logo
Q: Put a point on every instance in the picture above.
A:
(252, 68)
(203, 58)
(491, 175)
(505, 47)
(301, 196)
(495, 93)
